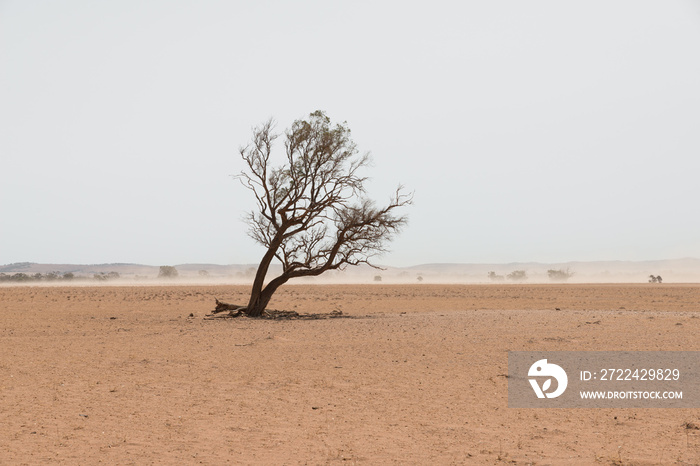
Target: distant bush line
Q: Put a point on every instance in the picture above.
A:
(37, 277)
(21, 277)
(166, 271)
(521, 275)
(515, 276)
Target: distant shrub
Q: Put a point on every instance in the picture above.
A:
(495, 278)
(517, 276)
(559, 275)
(377, 278)
(18, 277)
(167, 271)
(106, 276)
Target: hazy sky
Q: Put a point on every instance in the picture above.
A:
(530, 130)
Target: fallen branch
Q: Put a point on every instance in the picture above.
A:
(223, 307)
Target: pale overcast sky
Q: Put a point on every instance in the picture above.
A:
(529, 130)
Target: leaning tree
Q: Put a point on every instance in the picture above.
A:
(312, 213)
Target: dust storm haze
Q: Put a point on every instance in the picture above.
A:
(671, 271)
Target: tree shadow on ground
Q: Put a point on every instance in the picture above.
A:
(270, 314)
(235, 311)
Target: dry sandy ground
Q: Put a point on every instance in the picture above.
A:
(123, 375)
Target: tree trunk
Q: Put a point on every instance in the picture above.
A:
(257, 306)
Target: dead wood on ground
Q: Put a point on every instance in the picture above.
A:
(235, 310)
